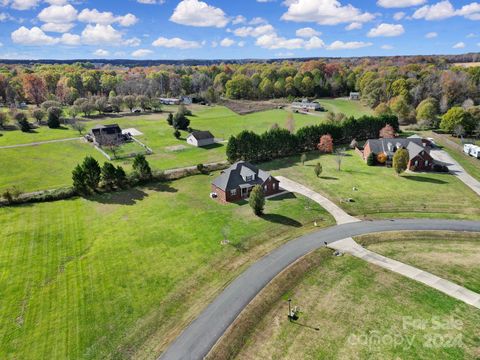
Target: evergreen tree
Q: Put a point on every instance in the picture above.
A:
(78, 177)
(257, 200)
(400, 160)
(141, 167)
(318, 169)
(120, 177)
(109, 175)
(92, 172)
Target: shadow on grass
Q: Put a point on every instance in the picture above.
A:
(425, 179)
(304, 325)
(281, 219)
(283, 197)
(127, 197)
(328, 178)
(161, 187)
(212, 146)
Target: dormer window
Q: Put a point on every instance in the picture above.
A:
(249, 178)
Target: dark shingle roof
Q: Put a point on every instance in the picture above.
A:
(233, 177)
(107, 129)
(389, 146)
(202, 135)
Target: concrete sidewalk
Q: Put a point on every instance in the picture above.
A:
(351, 247)
(456, 169)
(341, 217)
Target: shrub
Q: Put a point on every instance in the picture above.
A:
(54, 114)
(326, 144)
(318, 169)
(303, 158)
(257, 200)
(11, 194)
(400, 160)
(177, 134)
(371, 159)
(38, 114)
(141, 168)
(382, 158)
(22, 121)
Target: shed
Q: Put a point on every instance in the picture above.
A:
(201, 138)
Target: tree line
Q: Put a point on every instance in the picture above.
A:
(277, 142)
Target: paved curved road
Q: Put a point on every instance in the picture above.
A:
(200, 336)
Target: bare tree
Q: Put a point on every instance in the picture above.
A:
(79, 126)
(339, 155)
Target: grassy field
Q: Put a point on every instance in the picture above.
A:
(118, 276)
(169, 152)
(364, 312)
(380, 193)
(453, 256)
(345, 106)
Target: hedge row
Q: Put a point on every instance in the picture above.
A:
(277, 143)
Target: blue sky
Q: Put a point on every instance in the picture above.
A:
(221, 29)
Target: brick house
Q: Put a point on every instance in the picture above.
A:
(418, 151)
(236, 183)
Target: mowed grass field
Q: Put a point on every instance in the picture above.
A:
(453, 256)
(120, 275)
(157, 134)
(380, 192)
(364, 312)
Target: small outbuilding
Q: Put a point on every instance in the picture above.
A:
(201, 138)
(355, 96)
(306, 105)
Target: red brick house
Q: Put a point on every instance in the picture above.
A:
(419, 152)
(236, 183)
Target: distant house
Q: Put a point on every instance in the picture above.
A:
(306, 105)
(237, 182)
(104, 135)
(201, 138)
(355, 96)
(419, 153)
(170, 101)
(186, 100)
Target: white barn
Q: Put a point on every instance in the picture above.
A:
(305, 105)
(201, 138)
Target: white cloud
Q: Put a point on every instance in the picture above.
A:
(151, 2)
(93, 16)
(439, 11)
(387, 47)
(101, 52)
(307, 32)
(20, 4)
(58, 14)
(354, 26)
(459, 45)
(240, 19)
(227, 42)
(199, 13)
(101, 34)
(241, 43)
(176, 43)
(340, 45)
(386, 30)
(32, 37)
(133, 42)
(471, 35)
(57, 2)
(324, 12)
(273, 42)
(58, 28)
(400, 3)
(431, 35)
(470, 11)
(141, 53)
(399, 15)
(254, 31)
(70, 39)
(258, 21)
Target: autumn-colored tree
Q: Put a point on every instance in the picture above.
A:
(326, 144)
(388, 132)
(35, 88)
(381, 158)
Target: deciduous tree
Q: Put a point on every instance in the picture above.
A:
(257, 200)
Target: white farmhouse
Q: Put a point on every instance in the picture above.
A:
(201, 138)
(305, 105)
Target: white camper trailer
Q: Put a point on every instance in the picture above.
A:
(472, 150)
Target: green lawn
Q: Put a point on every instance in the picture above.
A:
(364, 312)
(453, 256)
(168, 151)
(120, 275)
(380, 193)
(345, 106)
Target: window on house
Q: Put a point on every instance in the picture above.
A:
(426, 163)
(265, 187)
(416, 163)
(233, 192)
(249, 178)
